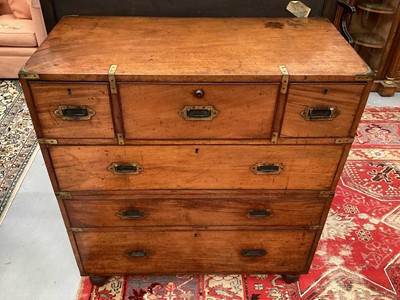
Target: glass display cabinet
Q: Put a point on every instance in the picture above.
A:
(374, 29)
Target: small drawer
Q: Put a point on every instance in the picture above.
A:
(198, 111)
(179, 212)
(195, 167)
(320, 110)
(194, 252)
(73, 110)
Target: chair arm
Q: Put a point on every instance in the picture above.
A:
(347, 10)
(38, 20)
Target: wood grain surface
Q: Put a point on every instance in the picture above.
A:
(194, 212)
(195, 167)
(151, 111)
(344, 97)
(194, 252)
(49, 96)
(195, 49)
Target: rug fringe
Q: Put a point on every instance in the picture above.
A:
(18, 184)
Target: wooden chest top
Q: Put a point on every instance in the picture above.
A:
(196, 50)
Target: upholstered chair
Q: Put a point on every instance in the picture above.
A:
(22, 30)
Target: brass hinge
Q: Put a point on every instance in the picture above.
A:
(64, 195)
(274, 138)
(48, 141)
(24, 74)
(324, 194)
(120, 138)
(344, 141)
(76, 229)
(369, 75)
(285, 79)
(112, 80)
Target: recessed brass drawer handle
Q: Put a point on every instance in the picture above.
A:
(260, 214)
(253, 252)
(136, 253)
(267, 168)
(125, 168)
(198, 113)
(74, 112)
(320, 113)
(131, 214)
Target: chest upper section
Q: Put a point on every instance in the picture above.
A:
(196, 50)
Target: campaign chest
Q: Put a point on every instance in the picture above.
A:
(195, 145)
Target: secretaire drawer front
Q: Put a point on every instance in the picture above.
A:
(195, 167)
(320, 110)
(198, 111)
(194, 252)
(166, 212)
(73, 110)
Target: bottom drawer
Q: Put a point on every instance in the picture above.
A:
(194, 252)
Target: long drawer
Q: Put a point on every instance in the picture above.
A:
(192, 212)
(194, 252)
(195, 167)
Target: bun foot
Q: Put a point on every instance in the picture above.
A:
(290, 278)
(98, 280)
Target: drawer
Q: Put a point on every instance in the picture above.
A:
(73, 110)
(194, 252)
(179, 212)
(195, 167)
(320, 110)
(198, 111)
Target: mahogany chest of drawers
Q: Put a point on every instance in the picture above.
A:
(184, 145)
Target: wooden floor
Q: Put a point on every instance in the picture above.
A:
(36, 260)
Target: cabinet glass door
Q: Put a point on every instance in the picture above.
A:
(370, 27)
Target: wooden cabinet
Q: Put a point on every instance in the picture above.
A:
(196, 145)
(375, 29)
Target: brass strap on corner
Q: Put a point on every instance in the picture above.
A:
(64, 195)
(47, 141)
(24, 74)
(285, 79)
(112, 80)
(344, 140)
(368, 75)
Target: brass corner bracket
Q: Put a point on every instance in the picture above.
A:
(112, 80)
(24, 74)
(285, 79)
(369, 75)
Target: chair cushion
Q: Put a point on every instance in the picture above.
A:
(20, 9)
(17, 33)
(4, 7)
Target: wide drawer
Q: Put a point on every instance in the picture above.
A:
(73, 110)
(321, 110)
(194, 252)
(198, 111)
(195, 167)
(189, 212)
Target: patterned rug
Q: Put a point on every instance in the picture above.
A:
(17, 142)
(358, 256)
